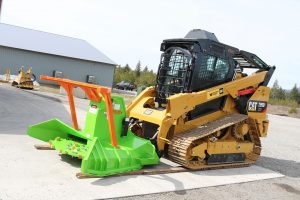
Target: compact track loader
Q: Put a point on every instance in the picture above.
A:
(24, 80)
(204, 112)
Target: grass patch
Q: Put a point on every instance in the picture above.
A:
(284, 102)
(293, 110)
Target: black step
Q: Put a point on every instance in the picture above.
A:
(226, 158)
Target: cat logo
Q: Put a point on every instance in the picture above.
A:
(256, 106)
(252, 106)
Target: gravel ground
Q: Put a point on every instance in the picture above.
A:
(283, 111)
(280, 151)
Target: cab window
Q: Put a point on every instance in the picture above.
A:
(221, 70)
(213, 69)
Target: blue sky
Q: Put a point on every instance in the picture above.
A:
(132, 30)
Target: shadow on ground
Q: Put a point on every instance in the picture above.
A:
(286, 167)
(74, 162)
(106, 181)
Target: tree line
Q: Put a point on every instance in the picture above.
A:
(280, 96)
(140, 76)
(277, 92)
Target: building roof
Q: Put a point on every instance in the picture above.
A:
(49, 43)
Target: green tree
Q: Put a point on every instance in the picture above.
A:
(138, 69)
(277, 92)
(147, 78)
(117, 75)
(126, 69)
(294, 94)
(281, 94)
(123, 74)
(138, 76)
(145, 70)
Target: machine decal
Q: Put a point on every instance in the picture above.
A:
(215, 93)
(221, 90)
(93, 109)
(256, 106)
(148, 112)
(117, 106)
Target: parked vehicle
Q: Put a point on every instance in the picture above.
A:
(125, 85)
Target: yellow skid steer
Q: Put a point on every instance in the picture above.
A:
(24, 80)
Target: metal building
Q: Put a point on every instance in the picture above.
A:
(50, 54)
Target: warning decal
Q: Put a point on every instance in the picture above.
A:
(215, 93)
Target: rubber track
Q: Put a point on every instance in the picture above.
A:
(182, 143)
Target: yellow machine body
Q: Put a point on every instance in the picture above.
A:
(7, 76)
(174, 114)
(23, 79)
(172, 120)
(180, 104)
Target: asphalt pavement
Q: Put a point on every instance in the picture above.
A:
(19, 108)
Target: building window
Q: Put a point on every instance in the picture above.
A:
(90, 79)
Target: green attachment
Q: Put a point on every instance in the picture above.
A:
(70, 147)
(93, 144)
(103, 159)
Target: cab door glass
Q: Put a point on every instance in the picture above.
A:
(210, 63)
(213, 70)
(207, 68)
(178, 63)
(221, 70)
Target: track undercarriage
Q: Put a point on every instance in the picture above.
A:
(217, 144)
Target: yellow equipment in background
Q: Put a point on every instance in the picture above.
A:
(7, 76)
(24, 79)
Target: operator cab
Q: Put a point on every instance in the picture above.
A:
(196, 62)
(199, 61)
